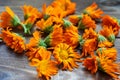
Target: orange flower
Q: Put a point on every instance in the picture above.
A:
(108, 21)
(108, 32)
(45, 67)
(108, 66)
(55, 37)
(12, 20)
(29, 23)
(93, 11)
(45, 25)
(71, 36)
(35, 41)
(67, 6)
(36, 53)
(86, 22)
(88, 47)
(66, 56)
(91, 64)
(75, 19)
(5, 22)
(30, 11)
(89, 34)
(103, 42)
(13, 40)
(111, 53)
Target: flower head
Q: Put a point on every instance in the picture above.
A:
(13, 40)
(88, 47)
(45, 67)
(30, 11)
(111, 22)
(38, 53)
(45, 25)
(89, 34)
(108, 32)
(67, 6)
(103, 42)
(86, 22)
(93, 11)
(75, 19)
(71, 36)
(55, 37)
(66, 56)
(91, 64)
(108, 66)
(111, 53)
(35, 41)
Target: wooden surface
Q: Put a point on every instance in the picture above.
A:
(16, 67)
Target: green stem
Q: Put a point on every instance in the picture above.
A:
(24, 27)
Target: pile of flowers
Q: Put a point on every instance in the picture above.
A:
(56, 40)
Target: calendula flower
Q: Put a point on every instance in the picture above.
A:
(13, 40)
(103, 42)
(35, 41)
(88, 47)
(30, 11)
(66, 56)
(36, 53)
(71, 36)
(108, 66)
(5, 22)
(29, 23)
(93, 11)
(108, 21)
(91, 64)
(89, 34)
(12, 21)
(67, 6)
(108, 32)
(55, 37)
(111, 53)
(86, 22)
(45, 67)
(75, 19)
(45, 25)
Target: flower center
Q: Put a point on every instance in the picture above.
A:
(63, 54)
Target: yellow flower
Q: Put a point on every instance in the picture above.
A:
(103, 42)
(111, 53)
(14, 41)
(88, 47)
(86, 22)
(108, 32)
(93, 11)
(45, 67)
(89, 34)
(110, 21)
(30, 11)
(108, 66)
(55, 37)
(91, 64)
(66, 56)
(71, 36)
